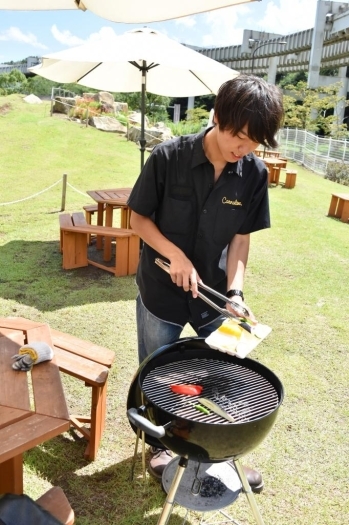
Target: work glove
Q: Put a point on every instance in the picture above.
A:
(32, 354)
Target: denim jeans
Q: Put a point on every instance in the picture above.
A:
(153, 332)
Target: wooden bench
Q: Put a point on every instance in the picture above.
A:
(90, 210)
(57, 504)
(74, 232)
(339, 206)
(76, 357)
(290, 181)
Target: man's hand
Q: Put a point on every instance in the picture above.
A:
(183, 274)
(239, 301)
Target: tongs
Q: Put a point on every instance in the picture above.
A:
(243, 312)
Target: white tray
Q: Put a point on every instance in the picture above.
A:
(232, 345)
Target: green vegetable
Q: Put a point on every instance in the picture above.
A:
(202, 409)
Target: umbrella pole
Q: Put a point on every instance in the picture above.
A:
(142, 139)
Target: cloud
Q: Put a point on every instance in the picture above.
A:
(223, 27)
(66, 38)
(288, 17)
(14, 34)
(187, 21)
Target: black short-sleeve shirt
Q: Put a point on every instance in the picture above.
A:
(176, 189)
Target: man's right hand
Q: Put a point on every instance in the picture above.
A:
(183, 273)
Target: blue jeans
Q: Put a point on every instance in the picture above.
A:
(153, 332)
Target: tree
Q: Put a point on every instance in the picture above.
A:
(13, 82)
(313, 109)
(40, 86)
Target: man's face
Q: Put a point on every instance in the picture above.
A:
(234, 147)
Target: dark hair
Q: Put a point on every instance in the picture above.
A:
(250, 100)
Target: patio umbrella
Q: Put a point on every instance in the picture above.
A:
(135, 61)
(130, 11)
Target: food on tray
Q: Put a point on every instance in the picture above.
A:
(188, 390)
(231, 328)
(232, 339)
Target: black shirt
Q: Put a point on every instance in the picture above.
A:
(176, 189)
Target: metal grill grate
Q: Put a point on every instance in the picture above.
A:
(243, 393)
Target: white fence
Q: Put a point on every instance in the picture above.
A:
(311, 151)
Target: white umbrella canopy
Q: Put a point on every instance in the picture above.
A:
(113, 63)
(130, 11)
(138, 60)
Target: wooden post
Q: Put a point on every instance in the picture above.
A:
(64, 191)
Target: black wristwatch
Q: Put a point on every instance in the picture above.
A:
(231, 293)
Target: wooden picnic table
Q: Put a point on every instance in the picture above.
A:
(274, 164)
(32, 406)
(266, 153)
(107, 200)
(339, 206)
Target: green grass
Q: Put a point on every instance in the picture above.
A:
(297, 282)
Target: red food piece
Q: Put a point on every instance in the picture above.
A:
(188, 390)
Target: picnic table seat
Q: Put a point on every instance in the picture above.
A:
(74, 235)
(76, 357)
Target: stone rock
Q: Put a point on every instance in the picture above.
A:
(107, 124)
(121, 106)
(153, 136)
(135, 117)
(104, 98)
(63, 104)
(32, 99)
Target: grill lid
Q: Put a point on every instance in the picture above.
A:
(243, 393)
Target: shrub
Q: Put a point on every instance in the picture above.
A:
(338, 171)
(87, 107)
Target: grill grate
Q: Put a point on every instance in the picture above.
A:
(243, 393)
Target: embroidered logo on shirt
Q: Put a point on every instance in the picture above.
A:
(232, 203)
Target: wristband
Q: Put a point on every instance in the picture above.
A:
(231, 293)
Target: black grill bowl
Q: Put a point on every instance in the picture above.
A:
(196, 438)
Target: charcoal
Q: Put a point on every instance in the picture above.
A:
(212, 487)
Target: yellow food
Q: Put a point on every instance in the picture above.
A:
(231, 329)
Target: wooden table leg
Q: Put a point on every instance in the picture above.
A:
(333, 206)
(11, 475)
(276, 175)
(108, 240)
(125, 217)
(100, 212)
(345, 211)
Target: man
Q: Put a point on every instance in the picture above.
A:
(195, 203)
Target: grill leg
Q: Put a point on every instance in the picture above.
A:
(135, 455)
(249, 494)
(168, 506)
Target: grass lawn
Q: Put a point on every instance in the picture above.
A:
(297, 282)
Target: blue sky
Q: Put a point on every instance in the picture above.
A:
(29, 33)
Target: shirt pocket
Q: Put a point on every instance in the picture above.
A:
(228, 221)
(177, 216)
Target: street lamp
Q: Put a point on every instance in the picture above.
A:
(252, 41)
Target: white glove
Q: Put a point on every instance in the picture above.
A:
(32, 354)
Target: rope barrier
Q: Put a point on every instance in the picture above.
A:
(75, 189)
(43, 191)
(31, 196)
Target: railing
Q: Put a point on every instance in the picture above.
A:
(312, 151)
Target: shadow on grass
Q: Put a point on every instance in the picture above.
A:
(107, 496)
(32, 274)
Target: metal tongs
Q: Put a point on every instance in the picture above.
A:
(242, 311)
